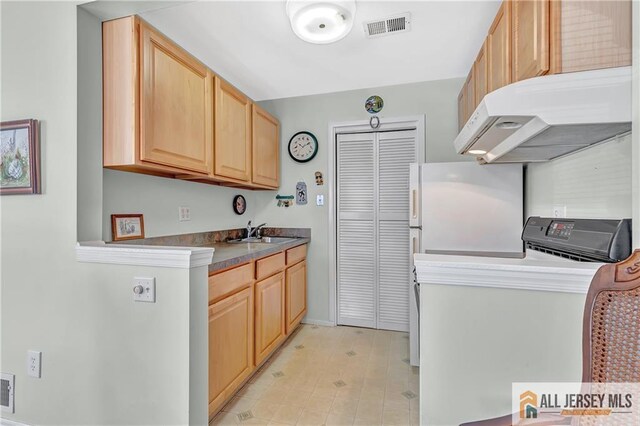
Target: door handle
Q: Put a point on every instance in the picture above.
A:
(414, 245)
(414, 199)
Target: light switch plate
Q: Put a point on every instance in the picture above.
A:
(144, 290)
(320, 200)
(184, 213)
(34, 363)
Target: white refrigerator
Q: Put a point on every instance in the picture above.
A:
(462, 208)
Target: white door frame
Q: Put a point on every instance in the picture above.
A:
(418, 122)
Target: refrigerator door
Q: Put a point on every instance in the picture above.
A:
(469, 207)
(415, 217)
(415, 246)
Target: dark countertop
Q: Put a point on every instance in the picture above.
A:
(227, 255)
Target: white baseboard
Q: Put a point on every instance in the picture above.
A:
(318, 322)
(6, 422)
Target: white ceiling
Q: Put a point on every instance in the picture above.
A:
(251, 44)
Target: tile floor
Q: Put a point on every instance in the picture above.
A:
(331, 376)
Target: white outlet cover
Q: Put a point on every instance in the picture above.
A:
(559, 211)
(184, 213)
(148, 293)
(320, 200)
(34, 364)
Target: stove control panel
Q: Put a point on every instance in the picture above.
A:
(559, 229)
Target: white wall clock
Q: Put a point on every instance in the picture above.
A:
(303, 146)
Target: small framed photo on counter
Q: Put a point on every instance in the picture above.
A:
(127, 226)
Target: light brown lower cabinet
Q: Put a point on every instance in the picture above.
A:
(270, 315)
(230, 346)
(296, 294)
(252, 309)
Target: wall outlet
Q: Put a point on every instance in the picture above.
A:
(144, 290)
(559, 211)
(184, 213)
(320, 200)
(34, 362)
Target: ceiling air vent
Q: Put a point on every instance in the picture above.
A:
(391, 25)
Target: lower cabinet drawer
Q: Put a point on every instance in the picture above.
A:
(231, 324)
(269, 265)
(229, 282)
(296, 254)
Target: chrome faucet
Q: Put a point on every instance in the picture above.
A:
(254, 231)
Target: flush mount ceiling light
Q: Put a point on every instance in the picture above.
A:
(321, 22)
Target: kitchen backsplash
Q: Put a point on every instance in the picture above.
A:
(594, 183)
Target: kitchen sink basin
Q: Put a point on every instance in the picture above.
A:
(276, 240)
(263, 240)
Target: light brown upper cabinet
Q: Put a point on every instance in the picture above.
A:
(589, 34)
(266, 148)
(498, 46)
(462, 111)
(530, 38)
(157, 99)
(472, 102)
(167, 114)
(480, 75)
(232, 124)
(466, 100)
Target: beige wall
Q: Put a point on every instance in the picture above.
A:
(158, 200)
(89, 127)
(105, 359)
(437, 100)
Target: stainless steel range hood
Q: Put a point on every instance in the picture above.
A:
(547, 117)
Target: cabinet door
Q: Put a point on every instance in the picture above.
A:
(530, 38)
(270, 315)
(499, 49)
(480, 74)
(230, 346)
(176, 103)
(266, 148)
(470, 95)
(462, 104)
(232, 152)
(592, 34)
(296, 295)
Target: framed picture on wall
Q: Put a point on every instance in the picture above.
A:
(19, 157)
(127, 226)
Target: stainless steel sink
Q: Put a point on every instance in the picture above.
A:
(276, 240)
(263, 240)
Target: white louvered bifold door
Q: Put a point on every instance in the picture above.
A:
(356, 230)
(373, 228)
(396, 150)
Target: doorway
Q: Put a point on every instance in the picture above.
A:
(370, 221)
